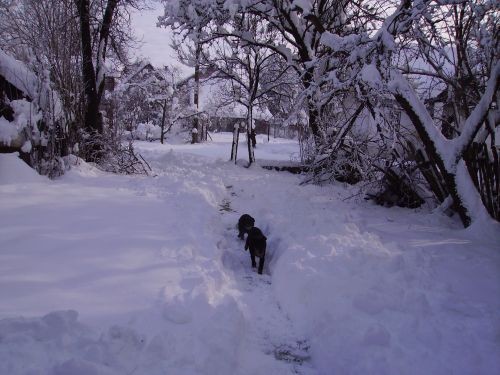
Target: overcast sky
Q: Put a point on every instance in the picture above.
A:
(155, 44)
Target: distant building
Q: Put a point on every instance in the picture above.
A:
(217, 108)
(130, 95)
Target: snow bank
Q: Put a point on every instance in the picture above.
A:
(58, 344)
(390, 306)
(15, 171)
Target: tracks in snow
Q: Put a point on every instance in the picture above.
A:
(268, 329)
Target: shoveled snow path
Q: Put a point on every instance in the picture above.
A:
(270, 343)
(267, 327)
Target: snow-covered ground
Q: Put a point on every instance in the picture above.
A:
(103, 274)
(219, 146)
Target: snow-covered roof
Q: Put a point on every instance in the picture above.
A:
(135, 75)
(18, 74)
(40, 91)
(134, 72)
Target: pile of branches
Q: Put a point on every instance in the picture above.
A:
(401, 184)
(111, 155)
(343, 164)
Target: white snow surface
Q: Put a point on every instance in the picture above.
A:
(103, 274)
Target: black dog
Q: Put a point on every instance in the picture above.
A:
(256, 242)
(245, 223)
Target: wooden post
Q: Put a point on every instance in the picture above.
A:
(234, 146)
(162, 135)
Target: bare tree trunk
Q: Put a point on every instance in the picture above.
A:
(196, 120)
(91, 117)
(312, 109)
(449, 154)
(251, 155)
(430, 148)
(314, 122)
(103, 45)
(162, 134)
(93, 77)
(234, 147)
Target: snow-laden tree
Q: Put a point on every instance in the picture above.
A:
(427, 48)
(299, 25)
(30, 31)
(104, 29)
(457, 42)
(248, 69)
(148, 95)
(434, 61)
(67, 42)
(94, 58)
(135, 93)
(44, 35)
(189, 21)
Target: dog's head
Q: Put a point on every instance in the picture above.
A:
(247, 221)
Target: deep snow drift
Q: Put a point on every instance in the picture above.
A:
(104, 274)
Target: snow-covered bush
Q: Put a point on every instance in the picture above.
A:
(31, 121)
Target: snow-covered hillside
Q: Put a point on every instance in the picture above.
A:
(103, 274)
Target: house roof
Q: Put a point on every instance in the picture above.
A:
(16, 73)
(144, 65)
(24, 79)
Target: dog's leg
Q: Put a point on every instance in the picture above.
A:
(254, 264)
(261, 265)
